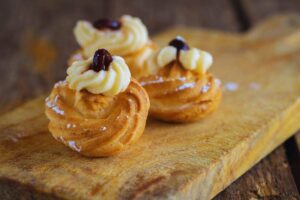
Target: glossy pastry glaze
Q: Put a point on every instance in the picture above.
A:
(97, 125)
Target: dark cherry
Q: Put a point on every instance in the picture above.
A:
(179, 44)
(107, 24)
(101, 61)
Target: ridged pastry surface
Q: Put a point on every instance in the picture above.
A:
(179, 95)
(97, 125)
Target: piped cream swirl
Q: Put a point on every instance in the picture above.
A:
(193, 59)
(132, 36)
(111, 82)
(196, 60)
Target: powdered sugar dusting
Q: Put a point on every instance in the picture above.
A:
(53, 105)
(103, 128)
(231, 86)
(186, 86)
(72, 145)
(70, 125)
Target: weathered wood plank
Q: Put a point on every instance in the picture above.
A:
(249, 186)
(11, 190)
(270, 179)
(169, 166)
(26, 29)
(257, 11)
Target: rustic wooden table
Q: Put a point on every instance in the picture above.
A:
(37, 39)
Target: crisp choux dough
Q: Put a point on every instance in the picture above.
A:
(96, 125)
(180, 95)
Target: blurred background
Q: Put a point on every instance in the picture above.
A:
(37, 36)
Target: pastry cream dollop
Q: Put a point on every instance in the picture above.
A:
(111, 82)
(191, 59)
(131, 36)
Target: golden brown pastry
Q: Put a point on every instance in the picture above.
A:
(127, 37)
(181, 89)
(99, 109)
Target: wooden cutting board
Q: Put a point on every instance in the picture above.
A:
(260, 72)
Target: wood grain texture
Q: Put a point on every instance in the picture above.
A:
(265, 181)
(255, 12)
(182, 161)
(22, 80)
(43, 26)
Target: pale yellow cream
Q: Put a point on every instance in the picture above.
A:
(196, 60)
(193, 59)
(111, 82)
(131, 37)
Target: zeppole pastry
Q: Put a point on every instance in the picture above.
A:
(127, 37)
(181, 89)
(99, 109)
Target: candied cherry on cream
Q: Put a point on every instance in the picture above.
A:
(179, 44)
(101, 60)
(107, 24)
